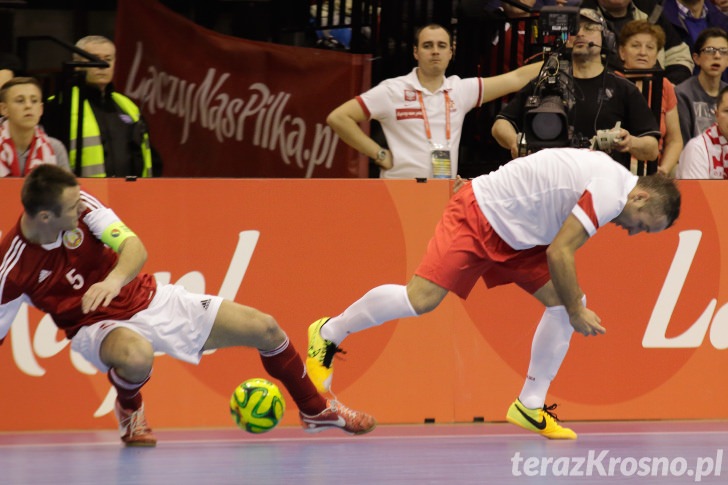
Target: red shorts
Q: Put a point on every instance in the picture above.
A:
(465, 247)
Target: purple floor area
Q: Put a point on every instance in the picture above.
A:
(605, 453)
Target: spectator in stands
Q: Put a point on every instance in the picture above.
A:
(706, 155)
(696, 97)
(23, 144)
(115, 138)
(422, 135)
(600, 100)
(639, 43)
(676, 56)
(721, 5)
(691, 17)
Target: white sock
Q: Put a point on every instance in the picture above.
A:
(378, 305)
(548, 349)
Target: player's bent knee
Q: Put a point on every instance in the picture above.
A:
(424, 296)
(425, 303)
(237, 324)
(421, 306)
(270, 332)
(266, 324)
(137, 358)
(128, 352)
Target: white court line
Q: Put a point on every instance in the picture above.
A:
(311, 439)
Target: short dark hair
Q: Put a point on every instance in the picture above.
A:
(665, 195)
(432, 26)
(721, 95)
(43, 187)
(17, 81)
(706, 34)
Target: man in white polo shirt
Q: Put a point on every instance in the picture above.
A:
(423, 136)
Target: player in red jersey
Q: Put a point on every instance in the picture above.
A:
(72, 257)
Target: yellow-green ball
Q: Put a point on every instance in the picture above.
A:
(257, 405)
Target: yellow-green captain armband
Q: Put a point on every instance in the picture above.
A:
(115, 234)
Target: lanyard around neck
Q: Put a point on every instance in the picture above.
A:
(428, 132)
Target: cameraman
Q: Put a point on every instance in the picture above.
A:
(600, 100)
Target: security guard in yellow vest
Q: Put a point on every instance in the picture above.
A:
(114, 140)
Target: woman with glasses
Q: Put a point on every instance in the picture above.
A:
(697, 96)
(639, 43)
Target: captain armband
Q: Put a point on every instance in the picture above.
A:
(115, 234)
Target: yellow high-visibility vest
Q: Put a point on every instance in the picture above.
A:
(92, 155)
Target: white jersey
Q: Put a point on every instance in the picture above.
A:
(395, 104)
(528, 199)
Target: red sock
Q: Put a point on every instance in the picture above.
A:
(128, 393)
(284, 364)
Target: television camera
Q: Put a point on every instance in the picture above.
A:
(546, 123)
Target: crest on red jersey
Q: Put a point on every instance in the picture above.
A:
(73, 239)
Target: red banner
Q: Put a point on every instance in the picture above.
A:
(219, 106)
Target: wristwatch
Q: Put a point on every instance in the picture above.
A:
(381, 154)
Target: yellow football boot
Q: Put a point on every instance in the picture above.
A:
(319, 362)
(541, 421)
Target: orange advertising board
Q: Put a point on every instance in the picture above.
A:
(302, 249)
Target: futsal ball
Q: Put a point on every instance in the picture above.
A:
(257, 405)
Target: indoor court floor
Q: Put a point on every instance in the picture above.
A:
(660, 452)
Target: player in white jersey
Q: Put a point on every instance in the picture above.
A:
(74, 259)
(422, 113)
(521, 224)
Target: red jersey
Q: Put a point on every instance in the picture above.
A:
(54, 277)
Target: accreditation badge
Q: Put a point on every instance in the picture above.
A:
(441, 166)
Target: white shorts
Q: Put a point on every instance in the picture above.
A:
(176, 322)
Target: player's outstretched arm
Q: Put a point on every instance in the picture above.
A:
(132, 256)
(562, 266)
